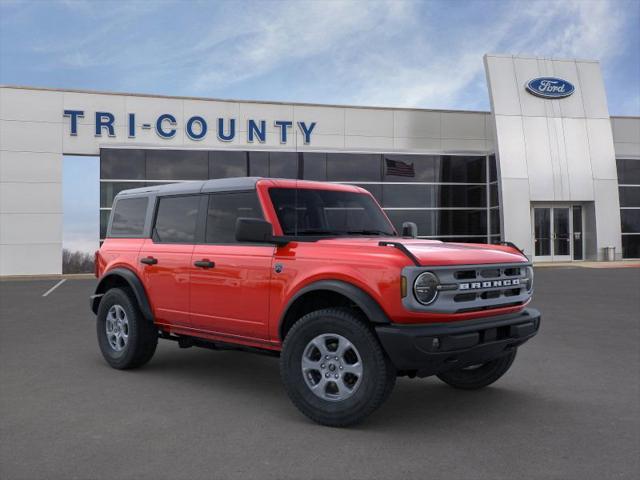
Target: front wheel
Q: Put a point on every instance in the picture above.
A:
(334, 368)
(478, 376)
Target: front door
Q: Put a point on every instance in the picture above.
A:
(557, 233)
(230, 281)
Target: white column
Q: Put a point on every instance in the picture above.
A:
(30, 182)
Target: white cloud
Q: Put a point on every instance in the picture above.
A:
(575, 28)
(387, 52)
(276, 37)
(409, 67)
(562, 29)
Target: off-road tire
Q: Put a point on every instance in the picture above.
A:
(142, 333)
(480, 377)
(378, 377)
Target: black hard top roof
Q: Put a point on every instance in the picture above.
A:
(198, 186)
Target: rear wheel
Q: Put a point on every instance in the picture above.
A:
(126, 338)
(478, 376)
(334, 368)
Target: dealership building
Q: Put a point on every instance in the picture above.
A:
(547, 168)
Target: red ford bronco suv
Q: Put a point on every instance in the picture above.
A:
(313, 272)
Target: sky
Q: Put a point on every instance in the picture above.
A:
(80, 203)
(390, 53)
(385, 53)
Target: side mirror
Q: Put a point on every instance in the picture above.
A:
(409, 229)
(256, 230)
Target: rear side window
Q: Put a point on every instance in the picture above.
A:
(128, 217)
(224, 209)
(176, 219)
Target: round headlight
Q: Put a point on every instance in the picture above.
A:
(425, 288)
(529, 279)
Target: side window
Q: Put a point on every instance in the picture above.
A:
(128, 217)
(224, 210)
(176, 219)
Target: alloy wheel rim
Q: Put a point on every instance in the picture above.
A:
(332, 367)
(117, 328)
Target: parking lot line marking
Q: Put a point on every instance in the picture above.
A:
(54, 287)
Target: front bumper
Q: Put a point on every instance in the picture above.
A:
(431, 349)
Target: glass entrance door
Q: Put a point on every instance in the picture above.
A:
(561, 234)
(542, 233)
(557, 232)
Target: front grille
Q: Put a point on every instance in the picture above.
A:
(464, 297)
(473, 287)
(490, 294)
(466, 275)
(490, 273)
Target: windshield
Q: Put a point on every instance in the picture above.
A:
(328, 212)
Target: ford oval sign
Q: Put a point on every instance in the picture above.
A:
(550, 87)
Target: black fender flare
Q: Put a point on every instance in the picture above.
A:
(359, 297)
(132, 281)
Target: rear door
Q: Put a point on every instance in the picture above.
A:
(230, 280)
(166, 257)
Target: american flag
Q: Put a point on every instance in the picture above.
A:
(399, 168)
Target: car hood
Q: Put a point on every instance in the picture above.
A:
(434, 252)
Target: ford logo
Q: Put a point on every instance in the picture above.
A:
(550, 87)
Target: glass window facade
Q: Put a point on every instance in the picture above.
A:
(283, 165)
(314, 166)
(165, 165)
(629, 191)
(443, 223)
(631, 246)
(129, 164)
(258, 164)
(630, 219)
(227, 164)
(629, 197)
(449, 197)
(628, 171)
(350, 167)
(494, 201)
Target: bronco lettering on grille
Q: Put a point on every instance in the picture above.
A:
(489, 284)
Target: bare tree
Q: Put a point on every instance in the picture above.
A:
(76, 262)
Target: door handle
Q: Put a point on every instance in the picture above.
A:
(149, 260)
(204, 264)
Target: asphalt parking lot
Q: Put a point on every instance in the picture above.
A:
(569, 407)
